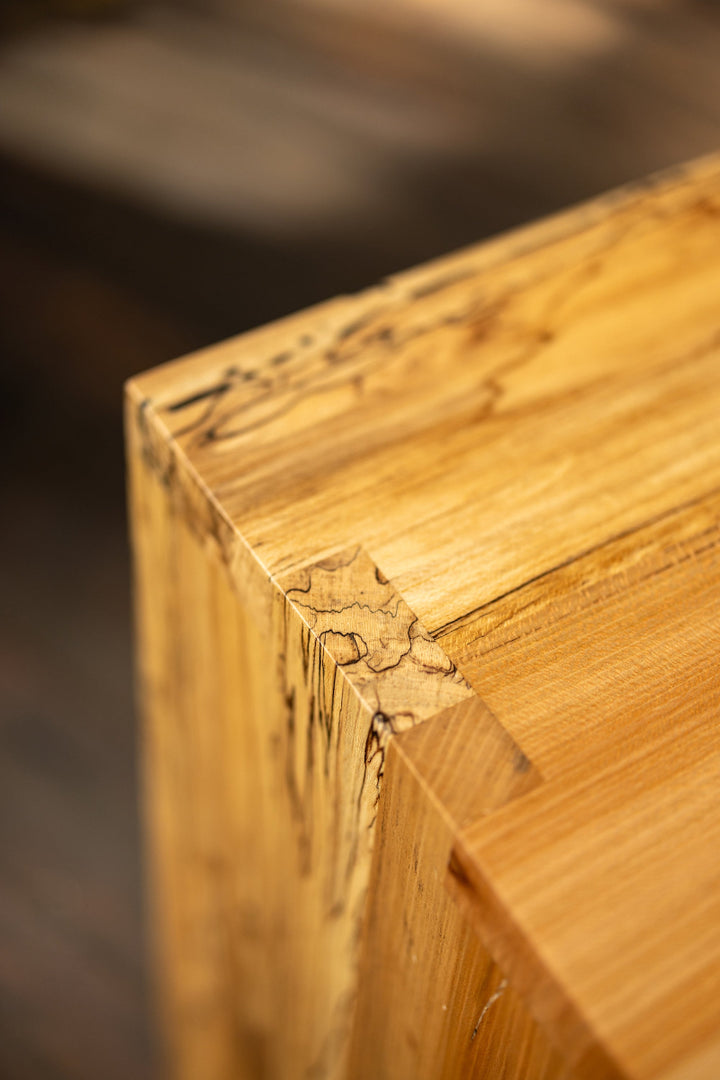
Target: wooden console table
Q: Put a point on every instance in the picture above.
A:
(428, 596)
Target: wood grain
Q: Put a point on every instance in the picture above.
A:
(266, 735)
(432, 1003)
(630, 852)
(428, 613)
(639, 613)
(562, 413)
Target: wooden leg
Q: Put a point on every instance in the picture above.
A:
(269, 711)
(262, 766)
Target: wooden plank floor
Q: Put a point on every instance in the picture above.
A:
(136, 230)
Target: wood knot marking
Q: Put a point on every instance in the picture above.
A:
(381, 728)
(381, 721)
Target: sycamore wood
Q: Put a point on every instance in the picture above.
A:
(428, 611)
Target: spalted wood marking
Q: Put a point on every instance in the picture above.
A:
(524, 437)
(366, 670)
(374, 637)
(474, 423)
(262, 812)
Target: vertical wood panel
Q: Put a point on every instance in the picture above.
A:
(432, 1003)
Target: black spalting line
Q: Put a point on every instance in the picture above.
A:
(300, 810)
(445, 282)
(164, 472)
(203, 395)
(381, 727)
(290, 395)
(356, 635)
(281, 358)
(388, 336)
(357, 325)
(353, 636)
(382, 610)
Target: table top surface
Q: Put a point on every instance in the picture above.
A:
(525, 439)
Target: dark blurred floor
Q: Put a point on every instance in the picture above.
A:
(171, 174)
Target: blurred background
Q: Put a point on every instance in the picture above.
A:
(173, 173)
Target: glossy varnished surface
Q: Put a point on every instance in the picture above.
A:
(491, 484)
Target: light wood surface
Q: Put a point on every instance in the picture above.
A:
(435, 1003)
(428, 617)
